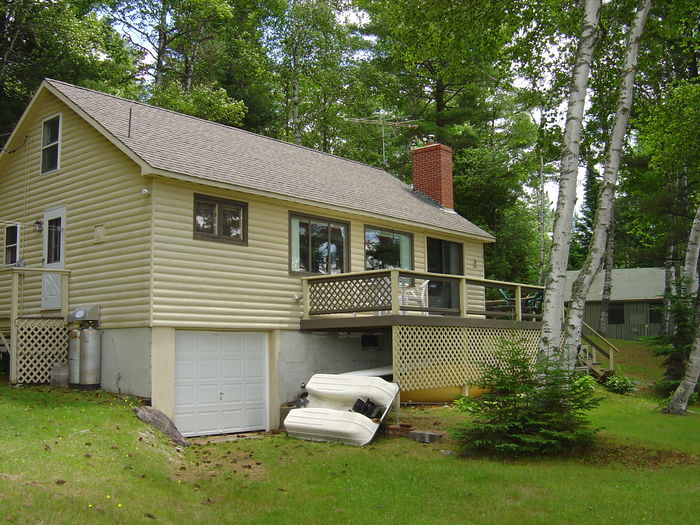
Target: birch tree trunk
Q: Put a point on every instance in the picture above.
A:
(679, 400)
(596, 249)
(607, 281)
(669, 286)
(553, 306)
(690, 267)
(542, 215)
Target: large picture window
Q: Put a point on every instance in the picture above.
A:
(220, 219)
(318, 245)
(388, 249)
(50, 144)
(11, 244)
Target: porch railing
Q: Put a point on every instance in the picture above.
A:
(419, 293)
(37, 336)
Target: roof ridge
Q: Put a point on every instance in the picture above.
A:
(54, 81)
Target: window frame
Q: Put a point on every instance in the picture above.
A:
(220, 203)
(57, 143)
(411, 249)
(16, 245)
(317, 218)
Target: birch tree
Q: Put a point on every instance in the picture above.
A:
(596, 251)
(561, 236)
(607, 280)
(679, 400)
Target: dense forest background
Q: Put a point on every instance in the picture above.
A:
(370, 79)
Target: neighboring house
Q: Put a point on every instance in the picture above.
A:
(636, 302)
(196, 240)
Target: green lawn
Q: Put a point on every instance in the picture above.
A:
(637, 360)
(69, 457)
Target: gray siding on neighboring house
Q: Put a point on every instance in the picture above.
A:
(637, 319)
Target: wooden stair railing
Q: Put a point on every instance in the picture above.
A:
(604, 347)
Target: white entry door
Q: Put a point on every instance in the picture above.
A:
(220, 382)
(53, 256)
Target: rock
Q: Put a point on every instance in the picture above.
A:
(425, 436)
(162, 422)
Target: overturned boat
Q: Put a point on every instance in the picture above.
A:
(344, 408)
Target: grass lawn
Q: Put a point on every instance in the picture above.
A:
(69, 457)
(636, 359)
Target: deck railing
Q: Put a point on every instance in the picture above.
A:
(37, 337)
(419, 293)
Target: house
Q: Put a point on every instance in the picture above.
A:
(636, 301)
(229, 267)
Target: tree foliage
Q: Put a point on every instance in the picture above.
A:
(530, 407)
(65, 40)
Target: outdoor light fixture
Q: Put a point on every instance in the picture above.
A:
(38, 226)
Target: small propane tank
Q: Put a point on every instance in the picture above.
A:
(74, 358)
(90, 357)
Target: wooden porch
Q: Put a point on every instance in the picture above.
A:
(383, 298)
(35, 338)
(443, 327)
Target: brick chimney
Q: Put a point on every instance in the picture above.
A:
(432, 173)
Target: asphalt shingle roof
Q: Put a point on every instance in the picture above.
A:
(628, 284)
(186, 145)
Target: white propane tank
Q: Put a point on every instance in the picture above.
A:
(90, 354)
(73, 358)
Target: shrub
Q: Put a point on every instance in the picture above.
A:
(620, 384)
(529, 408)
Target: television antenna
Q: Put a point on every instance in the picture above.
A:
(381, 120)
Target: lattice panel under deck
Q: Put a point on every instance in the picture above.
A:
(366, 293)
(443, 356)
(41, 343)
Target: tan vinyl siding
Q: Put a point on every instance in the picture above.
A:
(202, 283)
(99, 186)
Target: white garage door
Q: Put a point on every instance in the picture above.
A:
(220, 382)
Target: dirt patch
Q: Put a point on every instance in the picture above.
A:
(636, 456)
(211, 461)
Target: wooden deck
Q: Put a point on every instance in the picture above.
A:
(385, 298)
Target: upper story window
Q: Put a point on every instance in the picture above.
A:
(388, 249)
(221, 220)
(50, 144)
(445, 256)
(11, 244)
(318, 245)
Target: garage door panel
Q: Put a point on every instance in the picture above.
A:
(185, 370)
(232, 369)
(254, 368)
(231, 418)
(251, 343)
(185, 422)
(254, 417)
(184, 395)
(207, 394)
(232, 393)
(207, 421)
(208, 368)
(254, 392)
(221, 382)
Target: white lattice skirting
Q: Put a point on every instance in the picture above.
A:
(428, 357)
(41, 343)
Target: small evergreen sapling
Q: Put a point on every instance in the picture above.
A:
(530, 407)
